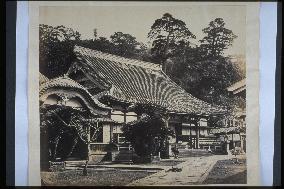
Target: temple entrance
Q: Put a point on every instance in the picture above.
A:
(67, 148)
(63, 135)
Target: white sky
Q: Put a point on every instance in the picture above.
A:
(137, 20)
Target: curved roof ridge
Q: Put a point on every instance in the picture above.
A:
(120, 59)
(65, 81)
(142, 85)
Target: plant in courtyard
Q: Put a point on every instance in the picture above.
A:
(63, 124)
(148, 136)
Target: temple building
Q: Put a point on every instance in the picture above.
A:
(115, 90)
(239, 119)
(233, 130)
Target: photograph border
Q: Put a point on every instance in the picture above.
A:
(252, 84)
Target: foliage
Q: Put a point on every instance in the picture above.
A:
(61, 123)
(56, 49)
(206, 73)
(165, 33)
(217, 39)
(147, 136)
(100, 43)
(124, 44)
(120, 44)
(201, 70)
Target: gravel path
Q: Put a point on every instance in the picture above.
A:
(106, 177)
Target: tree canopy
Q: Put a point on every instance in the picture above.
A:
(217, 39)
(201, 70)
(165, 33)
(56, 49)
(124, 44)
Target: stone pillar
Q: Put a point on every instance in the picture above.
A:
(228, 147)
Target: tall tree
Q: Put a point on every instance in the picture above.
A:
(56, 49)
(217, 39)
(124, 44)
(100, 44)
(165, 33)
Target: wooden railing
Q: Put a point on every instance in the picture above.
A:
(124, 147)
(209, 141)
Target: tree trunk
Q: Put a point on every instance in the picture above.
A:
(55, 147)
(164, 55)
(73, 146)
(85, 171)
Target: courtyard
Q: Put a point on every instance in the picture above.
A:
(193, 167)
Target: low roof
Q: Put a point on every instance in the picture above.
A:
(66, 85)
(237, 87)
(140, 82)
(226, 130)
(100, 120)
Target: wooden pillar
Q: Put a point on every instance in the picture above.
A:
(190, 134)
(111, 132)
(124, 115)
(168, 145)
(197, 135)
(242, 143)
(233, 140)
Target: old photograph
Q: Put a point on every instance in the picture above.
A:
(142, 95)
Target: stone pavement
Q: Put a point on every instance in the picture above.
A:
(80, 165)
(194, 171)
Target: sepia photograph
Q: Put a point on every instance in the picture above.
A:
(142, 95)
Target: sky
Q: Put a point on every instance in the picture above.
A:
(137, 20)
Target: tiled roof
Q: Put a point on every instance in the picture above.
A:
(224, 130)
(237, 87)
(140, 82)
(100, 120)
(67, 83)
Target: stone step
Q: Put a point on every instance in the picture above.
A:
(123, 157)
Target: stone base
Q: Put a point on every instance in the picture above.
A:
(156, 159)
(96, 158)
(57, 166)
